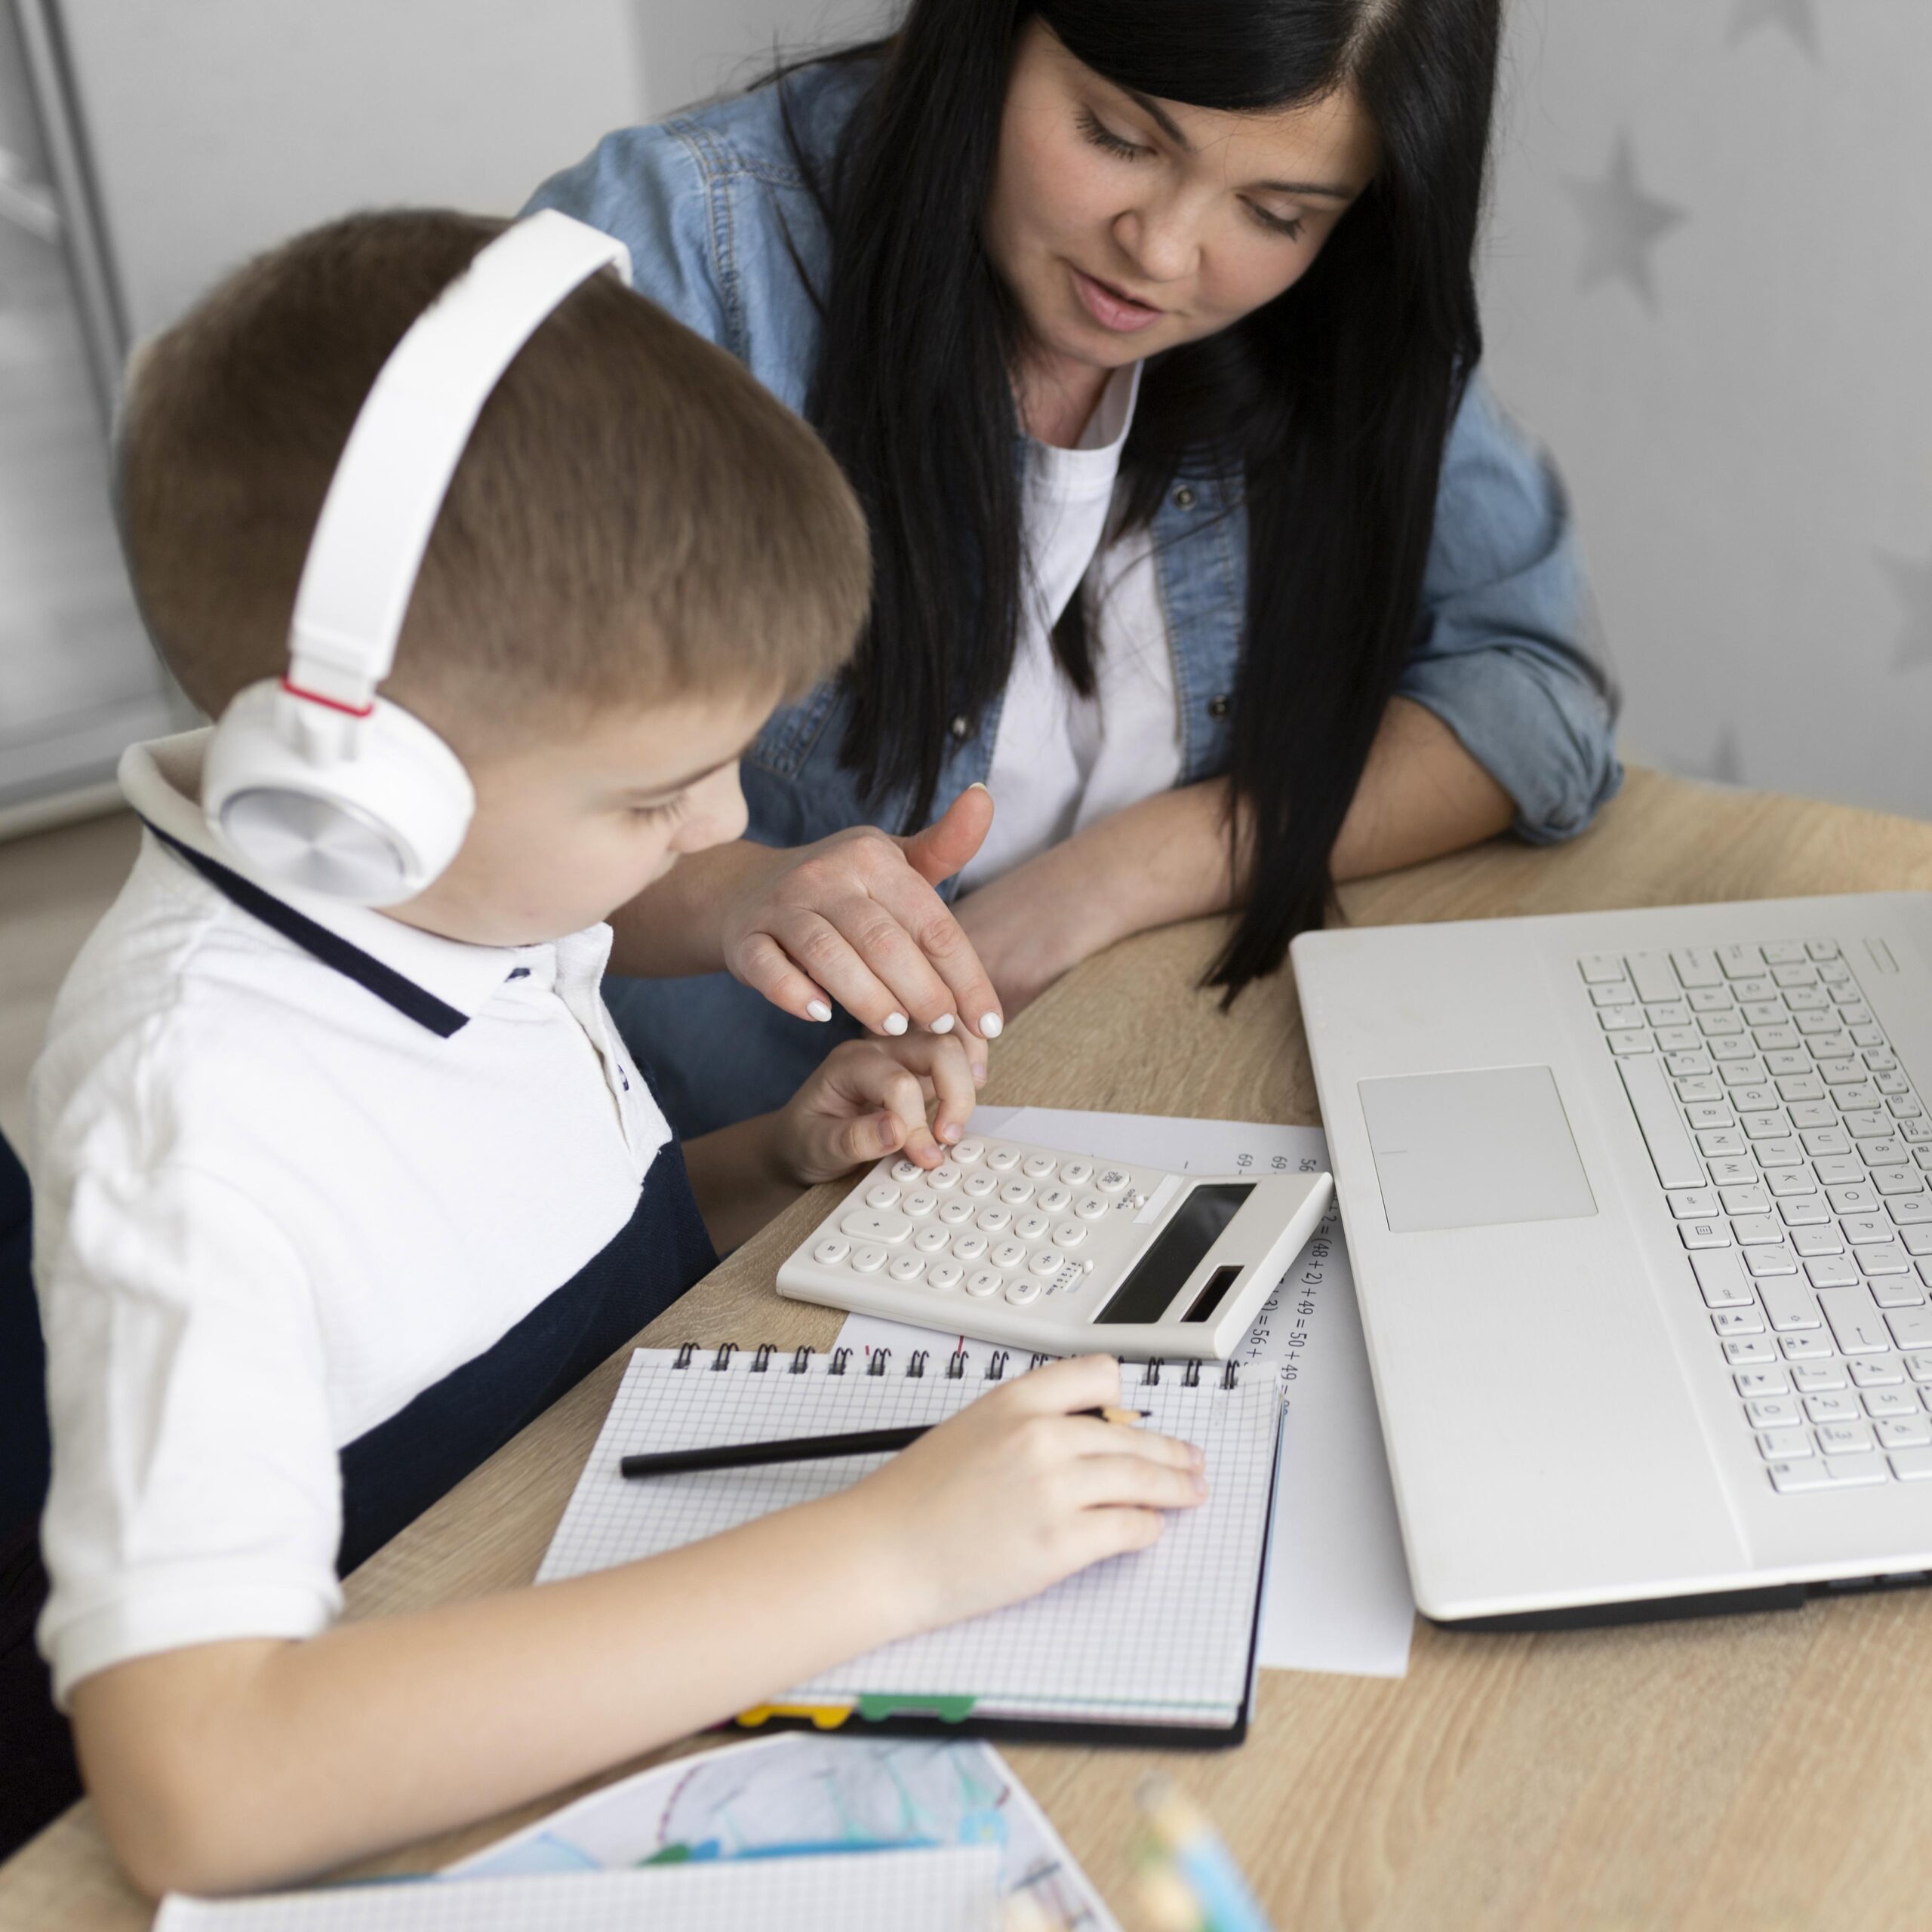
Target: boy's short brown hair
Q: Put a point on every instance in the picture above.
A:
(634, 517)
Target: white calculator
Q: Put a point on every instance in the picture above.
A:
(1060, 1254)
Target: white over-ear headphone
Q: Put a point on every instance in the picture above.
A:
(312, 780)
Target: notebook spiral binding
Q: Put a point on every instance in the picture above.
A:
(878, 1364)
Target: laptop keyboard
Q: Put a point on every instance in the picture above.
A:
(1793, 1154)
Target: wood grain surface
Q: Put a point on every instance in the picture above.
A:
(1766, 1771)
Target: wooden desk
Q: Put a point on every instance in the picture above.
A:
(1763, 1771)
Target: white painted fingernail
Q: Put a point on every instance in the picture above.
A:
(990, 1024)
(895, 1023)
(816, 1009)
(943, 1024)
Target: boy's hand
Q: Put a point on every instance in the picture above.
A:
(869, 1098)
(1017, 1491)
(855, 918)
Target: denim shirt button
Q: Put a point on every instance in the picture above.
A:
(1217, 707)
(962, 726)
(1184, 498)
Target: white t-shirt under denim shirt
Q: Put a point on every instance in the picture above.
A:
(1061, 760)
(271, 1207)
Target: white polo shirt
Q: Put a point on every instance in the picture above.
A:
(280, 1190)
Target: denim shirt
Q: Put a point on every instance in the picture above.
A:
(724, 233)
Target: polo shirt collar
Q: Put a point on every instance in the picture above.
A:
(161, 780)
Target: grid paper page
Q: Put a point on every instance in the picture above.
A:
(951, 1888)
(1161, 1636)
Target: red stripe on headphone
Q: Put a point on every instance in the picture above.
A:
(334, 704)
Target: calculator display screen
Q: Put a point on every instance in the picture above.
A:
(1176, 1252)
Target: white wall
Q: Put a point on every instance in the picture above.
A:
(1709, 289)
(693, 49)
(219, 127)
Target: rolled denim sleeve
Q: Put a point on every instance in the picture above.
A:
(648, 187)
(1504, 657)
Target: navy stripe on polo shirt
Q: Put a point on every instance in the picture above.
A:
(327, 1207)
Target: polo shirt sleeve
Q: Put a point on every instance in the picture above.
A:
(1505, 657)
(196, 1496)
(647, 187)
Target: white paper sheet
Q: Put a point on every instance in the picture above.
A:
(1338, 1586)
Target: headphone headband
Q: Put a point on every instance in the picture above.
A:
(315, 782)
(389, 487)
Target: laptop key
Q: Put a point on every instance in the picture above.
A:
(1810, 1347)
(1857, 1326)
(1830, 1271)
(1705, 1234)
(1868, 1468)
(1833, 1408)
(1749, 1353)
(1721, 1279)
(1911, 1464)
(1818, 1378)
(1784, 1445)
(1730, 1322)
(1787, 1479)
(1912, 1328)
(1790, 1304)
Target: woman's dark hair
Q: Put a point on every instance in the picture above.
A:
(1332, 403)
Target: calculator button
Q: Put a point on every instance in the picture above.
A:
(1069, 1234)
(1022, 1291)
(1076, 1174)
(969, 1247)
(1038, 1167)
(985, 1281)
(883, 1195)
(1016, 1192)
(945, 1275)
(1008, 1254)
(907, 1267)
(969, 1153)
(995, 1220)
(956, 1214)
(1001, 1159)
(918, 1205)
(869, 1260)
(1056, 1199)
(906, 1170)
(1111, 1181)
(931, 1241)
(981, 1185)
(889, 1230)
(1030, 1227)
(1089, 1208)
(831, 1251)
(1045, 1261)
(944, 1177)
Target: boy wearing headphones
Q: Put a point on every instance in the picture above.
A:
(342, 1173)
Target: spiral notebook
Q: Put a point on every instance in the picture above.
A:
(1160, 1643)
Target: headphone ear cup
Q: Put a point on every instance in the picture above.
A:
(375, 818)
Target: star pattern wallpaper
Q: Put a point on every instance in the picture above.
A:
(1707, 290)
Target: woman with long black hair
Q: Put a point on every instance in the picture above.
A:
(1147, 331)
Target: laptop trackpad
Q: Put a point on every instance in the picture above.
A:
(1466, 1150)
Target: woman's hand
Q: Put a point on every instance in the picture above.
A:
(1019, 1490)
(1031, 925)
(855, 918)
(869, 1098)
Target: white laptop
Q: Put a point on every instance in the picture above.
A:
(1640, 1209)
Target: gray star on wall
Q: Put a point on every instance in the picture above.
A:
(1798, 17)
(1621, 224)
(1913, 583)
